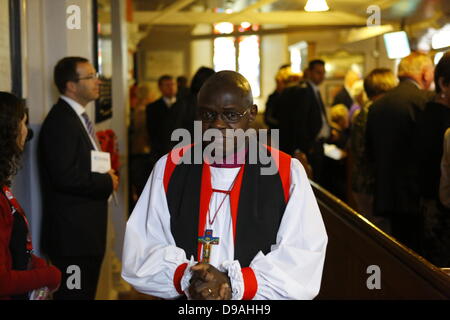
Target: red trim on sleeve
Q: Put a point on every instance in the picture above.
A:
(250, 283)
(177, 277)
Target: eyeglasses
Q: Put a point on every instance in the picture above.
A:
(227, 116)
(92, 76)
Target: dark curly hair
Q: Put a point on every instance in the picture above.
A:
(12, 111)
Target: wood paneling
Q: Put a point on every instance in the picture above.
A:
(354, 244)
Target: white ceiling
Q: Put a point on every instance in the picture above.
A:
(285, 12)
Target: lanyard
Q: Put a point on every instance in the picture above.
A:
(15, 207)
(227, 193)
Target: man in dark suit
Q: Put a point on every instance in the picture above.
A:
(75, 198)
(272, 106)
(303, 122)
(391, 144)
(343, 96)
(165, 115)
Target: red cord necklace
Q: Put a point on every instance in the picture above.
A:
(227, 193)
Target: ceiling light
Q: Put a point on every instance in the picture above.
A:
(224, 27)
(441, 38)
(438, 57)
(397, 44)
(316, 6)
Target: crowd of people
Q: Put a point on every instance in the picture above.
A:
(379, 146)
(154, 120)
(385, 137)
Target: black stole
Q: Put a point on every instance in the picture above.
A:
(260, 210)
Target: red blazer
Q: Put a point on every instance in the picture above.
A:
(19, 282)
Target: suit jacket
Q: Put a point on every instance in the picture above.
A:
(431, 129)
(74, 198)
(300, 118)
(391, 139)
(161, 121)
(343, 97)
(271, 114)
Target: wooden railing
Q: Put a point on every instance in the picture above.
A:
(363, 262)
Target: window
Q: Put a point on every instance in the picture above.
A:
(224, 53)
(299, 56)
(241, 54)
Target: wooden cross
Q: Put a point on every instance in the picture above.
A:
(207, 240)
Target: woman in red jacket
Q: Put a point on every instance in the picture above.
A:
(21, 272)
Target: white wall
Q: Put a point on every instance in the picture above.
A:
(5, 66)
(46, 40)
(164, 50)
(120, 99)
(201, 50)
(274, 53)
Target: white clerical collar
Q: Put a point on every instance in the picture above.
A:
(170, 101)
(78, 108)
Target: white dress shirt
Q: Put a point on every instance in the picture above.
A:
(79, 110)
(170, 101)
(325, 129)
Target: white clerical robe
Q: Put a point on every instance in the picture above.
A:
(291, 270)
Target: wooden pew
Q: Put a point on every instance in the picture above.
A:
(355, 244)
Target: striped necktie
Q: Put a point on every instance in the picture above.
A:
(89, 125)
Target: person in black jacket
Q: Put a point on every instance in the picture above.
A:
(304, 124)
(432, 127)
(271, 114)
(75, 198)
(190, 100)
(164, 116)
(343, 96)
(391, 145)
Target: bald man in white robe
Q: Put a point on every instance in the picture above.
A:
(158, 261)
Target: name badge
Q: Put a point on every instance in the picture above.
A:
(100, 161)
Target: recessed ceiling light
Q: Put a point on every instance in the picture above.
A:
(316, 6)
